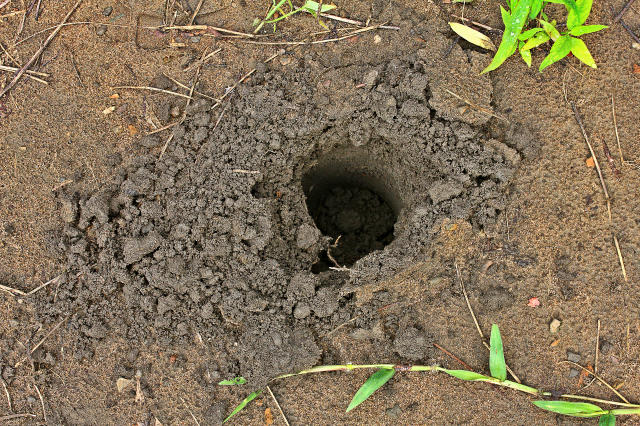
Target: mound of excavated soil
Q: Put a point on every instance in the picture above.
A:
(255, 227)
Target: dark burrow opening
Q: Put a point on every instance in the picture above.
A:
(352, 202)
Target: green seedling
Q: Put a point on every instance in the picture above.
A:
(285, 9)
(498, 369)
(523, 12)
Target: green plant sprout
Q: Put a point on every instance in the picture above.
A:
(285, 9)
(498, 377)
(522, 12)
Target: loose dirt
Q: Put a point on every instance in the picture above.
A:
(316, 217)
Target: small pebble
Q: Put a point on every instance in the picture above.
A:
(573, 372)
(573, 357)
(377, 39)
(175, 111)
(394, 412)
(101, 30)
(195, 39)
(554, 325)
(31, 400)
(107, 11)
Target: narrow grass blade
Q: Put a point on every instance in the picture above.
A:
(233, 382)
(468, 375)
(472, 36)
(536, 41)
(373, 383)
(576, 409)
(497, 365)
(607, 420)
(526, 35)
(243, 404)
(526, 54)
(313, 6)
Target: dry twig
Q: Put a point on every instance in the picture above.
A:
(35, 57)
(154, 89)
(278, 405)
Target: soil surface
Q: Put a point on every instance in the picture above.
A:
(318, 214)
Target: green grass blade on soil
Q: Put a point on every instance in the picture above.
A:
(373, 383)
(560, 49)
(587, 29)
(233, 382)
(580, 51)
(607, 420)
(248, 399)
(467, 375)
(579, 16)
(576, 409)
(497, 365)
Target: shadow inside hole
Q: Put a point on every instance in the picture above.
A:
(352, 202)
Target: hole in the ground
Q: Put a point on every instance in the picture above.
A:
(352, 200)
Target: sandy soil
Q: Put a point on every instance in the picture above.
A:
(553, 241)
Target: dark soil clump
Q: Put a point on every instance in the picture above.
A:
(217, 239)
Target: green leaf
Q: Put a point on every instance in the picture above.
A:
(468, 375)
(607, 420)
(580, 15)
(560, 49)
(248, 399)
(472, 36)
(529, 33)
(497, 366)
(536, 7)
(313, 6)
(526, 54)
(576, 409)
(373, 383)
(519, 18)
(536, 41)
(233, 382)
(506, 17)
(580, 51)
(550, 29)
(586, 29)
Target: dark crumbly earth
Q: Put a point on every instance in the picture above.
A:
(317, 216)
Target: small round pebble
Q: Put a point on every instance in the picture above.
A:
(101, 30)
(107, 11)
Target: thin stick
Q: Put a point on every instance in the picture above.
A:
(166, 144)
(195, 92)
(477, 24)
(302, 43)
(192, 416)
(17, 416)
(354, 22)
(630, 31)
(10, 14)
(623, 11)
(6, 391)
(4, 3)
(11, 69)
(624, 270)
(44, 412)
(476, 107)
(55, 327)
(202, 61)
(615, 126)
(278, 405)
(153, 89)
(195, 12)
(201, 28)
(35, 57)
(473, 315)
(453, 356)
(600, 379)
(595, 364)
(75, 67)
(168, 126)
(51, 281)
(28, 72)
(12, 291)
(593, 154)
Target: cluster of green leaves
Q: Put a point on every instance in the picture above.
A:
(497, 368)
(515, 37)
(285, 8)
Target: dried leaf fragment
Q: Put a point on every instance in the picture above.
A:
(122, 384)
(472, 36)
